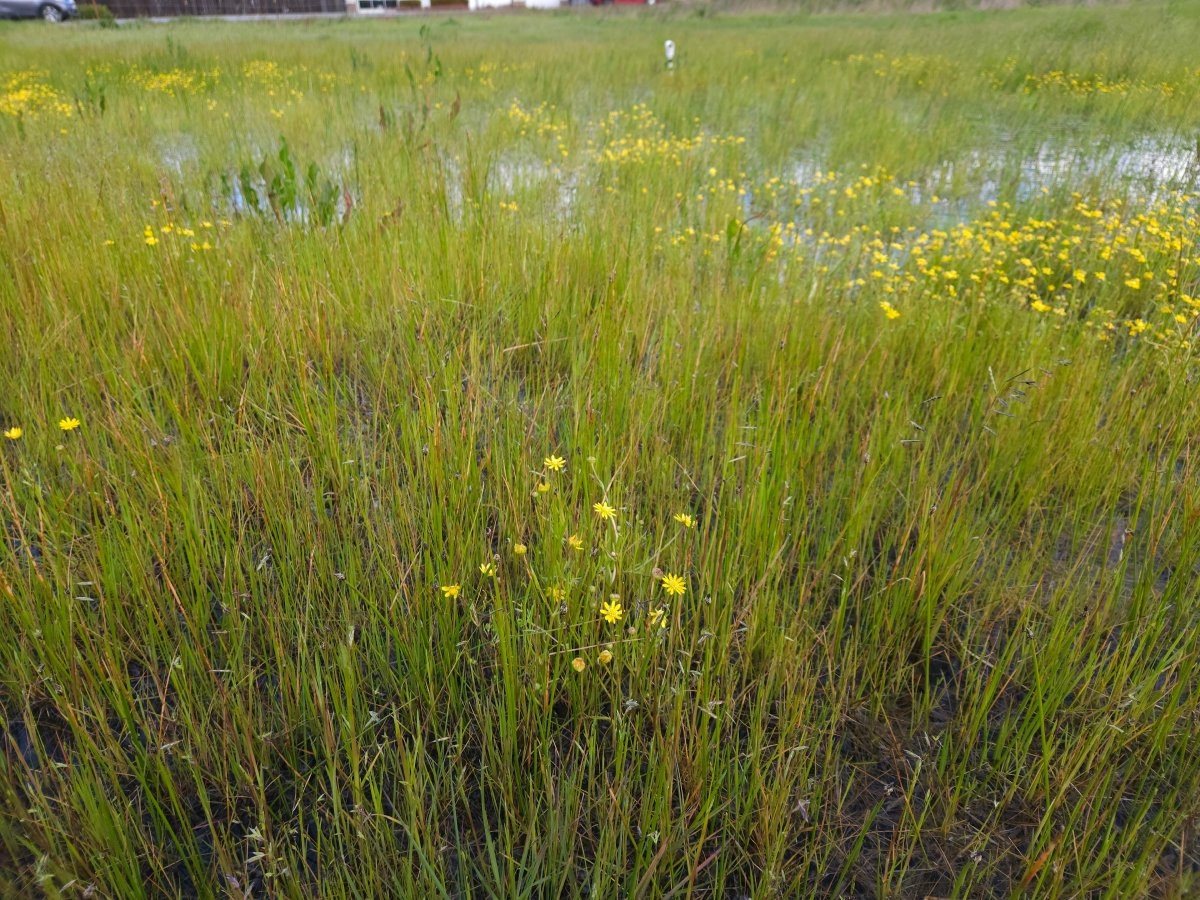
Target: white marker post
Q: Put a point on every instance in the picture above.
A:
(669, 49)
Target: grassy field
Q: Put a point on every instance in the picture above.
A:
(457, 457)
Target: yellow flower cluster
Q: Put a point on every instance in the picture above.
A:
(542, 121)
(1118, 266)
(198, 238)
(546, 587)
(1088, 85)
(175, 82)
(636, 136)
(923, 71)
(28, 95)
(484, 74)
(916, 69)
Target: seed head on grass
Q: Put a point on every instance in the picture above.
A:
(612, 611)
(674, 585)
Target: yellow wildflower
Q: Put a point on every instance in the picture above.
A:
(685, 520)
(673, 585)
(519, 549)
(657, 617)
(605, 657)
(604, 511)
(578, 664)
(13, 433)
(488, 569)
(576, 542)
(542, 487)
(451, 591)
(612, 610)
(888, 310)
(68, 424)
(554, 463)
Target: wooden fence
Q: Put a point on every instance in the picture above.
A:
(132, 8)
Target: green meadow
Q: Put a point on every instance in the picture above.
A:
(457, 456)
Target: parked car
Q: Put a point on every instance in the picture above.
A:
(50, 10)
